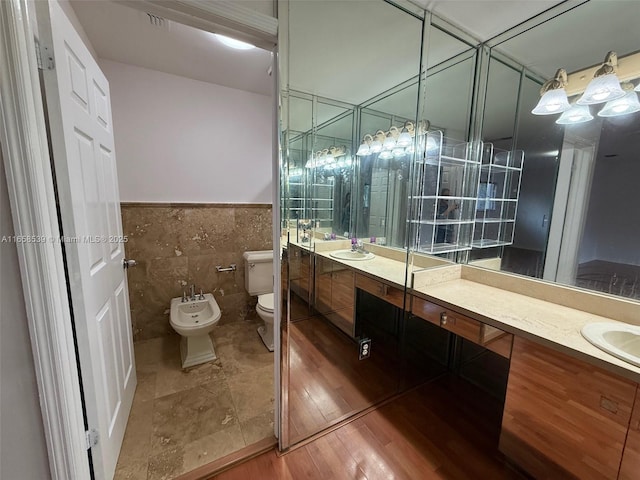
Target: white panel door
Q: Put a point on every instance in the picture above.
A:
(85, 165)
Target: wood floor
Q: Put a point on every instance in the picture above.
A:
(327, 382)
(447, 429)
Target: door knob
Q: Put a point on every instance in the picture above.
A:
(128, 263)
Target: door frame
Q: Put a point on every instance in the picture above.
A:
(30, 183)
(26, 154)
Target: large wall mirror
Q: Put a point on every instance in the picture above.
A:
(343, 82)
(576, 221)
(494, 185)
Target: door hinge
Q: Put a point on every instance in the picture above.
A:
(93, 437)
(44, 56)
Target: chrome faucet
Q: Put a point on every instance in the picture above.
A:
(358, 247)
(192, 297)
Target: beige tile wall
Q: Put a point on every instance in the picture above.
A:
(177, 245)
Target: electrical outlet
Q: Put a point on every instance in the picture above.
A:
(365, 348)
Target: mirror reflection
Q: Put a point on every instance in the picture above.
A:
(338, 200)
(562, 233)
(385, 166)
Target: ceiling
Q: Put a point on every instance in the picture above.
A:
(123, 34)
(356, 49)
(126, 35)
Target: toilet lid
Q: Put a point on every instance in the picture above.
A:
(266, 302)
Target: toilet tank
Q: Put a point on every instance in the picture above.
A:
(258, 272)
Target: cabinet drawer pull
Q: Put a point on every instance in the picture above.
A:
(443, 318)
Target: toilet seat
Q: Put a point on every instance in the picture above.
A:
(265, 302)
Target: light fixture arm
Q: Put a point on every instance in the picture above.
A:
(608, 67)
(558, 81)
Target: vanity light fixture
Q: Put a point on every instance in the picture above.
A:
(376, 145)
(622, 106)
(363, 150)
(365, 146)
(576, 114)
(605, 85)
(399, 152)
(432, 144)
(233, 43)
(404, 140)
(553, 97)
(389, 142)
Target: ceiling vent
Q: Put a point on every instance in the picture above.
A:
(157, 21)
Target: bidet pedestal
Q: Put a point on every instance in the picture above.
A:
(196, 349)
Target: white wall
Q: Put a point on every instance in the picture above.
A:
(182, 140)
(23, 452)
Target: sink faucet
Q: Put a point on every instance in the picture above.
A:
(358, 246)
(193, 292)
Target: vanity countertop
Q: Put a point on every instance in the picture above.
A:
(386, 269)
(558, 326)
(389, 264)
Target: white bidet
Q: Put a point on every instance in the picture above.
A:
(193, 320)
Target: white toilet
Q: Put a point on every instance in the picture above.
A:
(258, 280)
(193, 319)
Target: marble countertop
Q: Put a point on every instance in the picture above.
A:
(545, 322)
(386, 269)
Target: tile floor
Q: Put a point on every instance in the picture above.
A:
(182, 419)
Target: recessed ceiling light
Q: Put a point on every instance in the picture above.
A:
(233, 43)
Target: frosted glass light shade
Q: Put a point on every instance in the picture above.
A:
(404, 140)
(553, 101)
(576, 114)
(386, 155)
(389, 143)
(432, 144)
(621, 106)
(602, 89)
(398, 152)
(363, 150)
(375, 147)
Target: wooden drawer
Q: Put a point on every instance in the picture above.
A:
(394, 296)
(426, 310)
(490, 337)
(461, 325)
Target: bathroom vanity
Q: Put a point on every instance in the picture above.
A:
(570, 409)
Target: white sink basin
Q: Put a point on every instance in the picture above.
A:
(351, 255)
(618, 339)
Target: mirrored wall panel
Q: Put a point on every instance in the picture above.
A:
(578, 152)
(345, 328)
